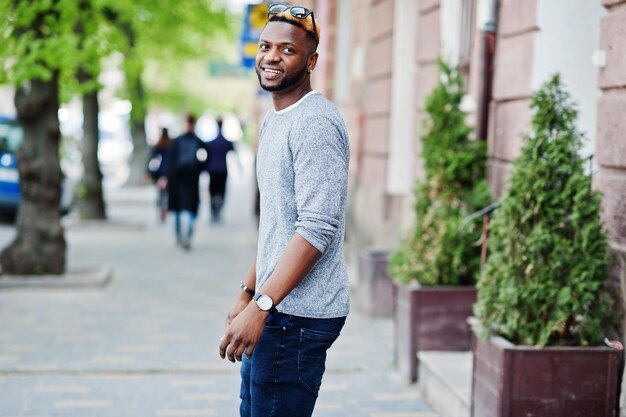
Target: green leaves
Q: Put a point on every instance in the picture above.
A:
(162, 36)
(34, 38)
(41, 37)
(435, 252)
(543, 282)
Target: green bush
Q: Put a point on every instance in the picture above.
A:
(435, 252)
(548, 255)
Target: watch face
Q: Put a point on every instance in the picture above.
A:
(265, 303)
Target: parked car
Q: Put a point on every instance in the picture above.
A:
(11, 137)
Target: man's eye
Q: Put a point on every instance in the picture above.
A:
(289, 50)
(263, 47)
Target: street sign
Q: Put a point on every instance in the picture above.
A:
(254, 22)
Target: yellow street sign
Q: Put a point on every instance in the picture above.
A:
(250, 49)
(258, 17)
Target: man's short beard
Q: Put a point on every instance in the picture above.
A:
(285, 83)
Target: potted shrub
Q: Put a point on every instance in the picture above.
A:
(436, 265)
(542, 308)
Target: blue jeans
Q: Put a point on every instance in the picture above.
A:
(283, 376)
(191, 218)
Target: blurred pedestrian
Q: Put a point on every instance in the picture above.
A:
(217, 168)
(157, 170)
(295, 296)
(186, 160)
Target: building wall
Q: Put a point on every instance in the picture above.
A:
(369, 116)
(610, 146)
(323, 76)
(388, 85)
(568, 34)
(512, 87)
(537, 38)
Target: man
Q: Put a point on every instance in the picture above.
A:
(218, 170)
(186, 158)
(295, 296)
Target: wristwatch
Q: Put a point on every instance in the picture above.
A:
(265, 303)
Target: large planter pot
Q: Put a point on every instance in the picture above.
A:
(512, 381)
(375, 295)
(430, 318)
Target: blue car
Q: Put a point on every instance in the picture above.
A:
(11, 137)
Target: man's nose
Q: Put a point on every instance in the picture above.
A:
(272, 55)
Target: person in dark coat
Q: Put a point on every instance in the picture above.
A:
(158, 168)
(216, 165)
(187, 157)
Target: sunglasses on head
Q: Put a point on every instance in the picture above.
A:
(298, 12)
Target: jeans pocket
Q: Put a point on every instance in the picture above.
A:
(312, 357)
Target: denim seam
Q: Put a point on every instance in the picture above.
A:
(275, 376)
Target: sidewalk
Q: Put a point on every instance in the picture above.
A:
(145, 343)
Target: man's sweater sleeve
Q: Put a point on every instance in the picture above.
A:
(320, 160)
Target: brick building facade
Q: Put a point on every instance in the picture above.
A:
(381, 64)
(610, 149)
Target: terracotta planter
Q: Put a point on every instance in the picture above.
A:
(512, 381)
(430, 318)
(375, 295)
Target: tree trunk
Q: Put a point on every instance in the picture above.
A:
(90, 199)
(139, 159)
(39, 246)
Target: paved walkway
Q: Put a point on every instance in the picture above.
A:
(145, 344)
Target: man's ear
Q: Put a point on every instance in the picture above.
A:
(312, 61)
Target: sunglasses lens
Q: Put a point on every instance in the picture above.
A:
(277, 8)
(299, 12)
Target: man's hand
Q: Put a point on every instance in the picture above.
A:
(243, 333)
(239, 306)
(162, 183)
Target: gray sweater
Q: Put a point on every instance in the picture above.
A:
(302, 171)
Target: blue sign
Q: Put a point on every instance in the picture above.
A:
(255, 18)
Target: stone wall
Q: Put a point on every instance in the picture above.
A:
(428, 50)
(610, 152)
(377, 217)
(369, 121)
(512, 88)
(325, 17)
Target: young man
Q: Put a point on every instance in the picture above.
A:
(186, 158)
(218, 170)
(295, 296)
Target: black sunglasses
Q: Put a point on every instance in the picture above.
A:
(298, 12)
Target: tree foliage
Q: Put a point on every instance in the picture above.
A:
(26, 54)
(543, 282)
(166, 33)
(435, 252)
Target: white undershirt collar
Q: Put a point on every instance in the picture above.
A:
(294, 105)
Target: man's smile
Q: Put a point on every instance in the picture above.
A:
(271, 73)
